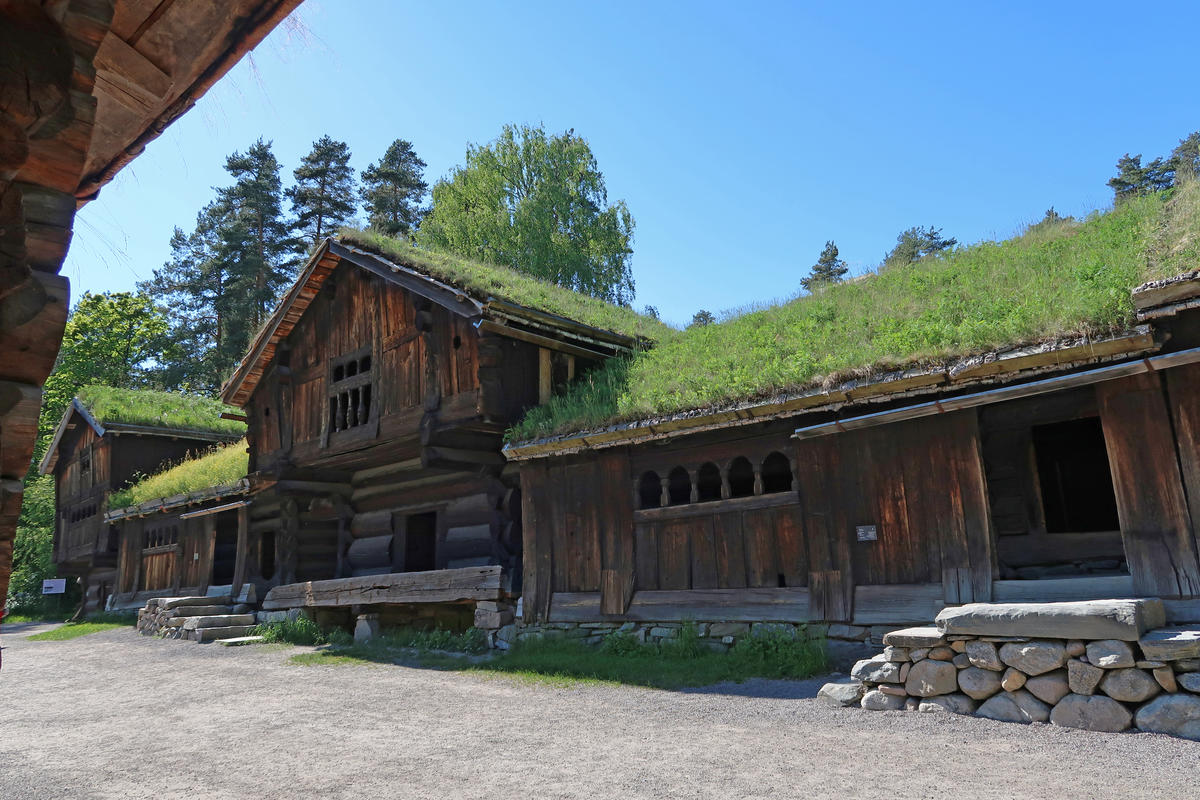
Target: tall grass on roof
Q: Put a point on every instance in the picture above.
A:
(221, 466)
(158, 409)
(483, 281)
(1054, 280)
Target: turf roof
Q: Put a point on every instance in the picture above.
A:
(221, 466)
(158, 409)
(1052, 281)
(488, 281)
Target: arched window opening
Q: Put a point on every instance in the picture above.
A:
(679, 487)
(741, 478)
(708, 483)
(776, 473)
(649, 491)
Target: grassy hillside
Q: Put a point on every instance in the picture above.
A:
(488, 280)
(219, 467)
(1066, 278)
(158, 409)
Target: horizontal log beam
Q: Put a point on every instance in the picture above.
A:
(435, 586)
(733, 605)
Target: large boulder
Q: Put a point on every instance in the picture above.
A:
(984, 656)
(1097, 713)
(876, 700)
(1033, 658)
(1019, 706)
(1110, 654)
(953, 703)
(1126, 620)
(1049, 687)
(929, 678)
(978, 683)
(1129, 685)
(1171, 644)
(841, 693)
(1174, 714)
(876, 670)
(1083, 678)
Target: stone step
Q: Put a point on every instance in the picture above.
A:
(238, 641)
(201, 611)
(1172, 644)
(212, 634)
(217, 621)
(168, 603)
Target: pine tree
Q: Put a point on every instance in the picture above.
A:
(1134, 179)
(916, 243)
(323, 197)
(392, 190)
(828, 269)
(1185, 159)
(702, 318)
(256, 240)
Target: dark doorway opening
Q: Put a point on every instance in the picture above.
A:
(420, 542)
(741, 478)
(649, 491)
(708, 483)
(1074, 478)
(679, 487)
(224, 549)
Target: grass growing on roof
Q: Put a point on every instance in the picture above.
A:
(1054, 280)
(158, 409)
(218, 467)
(488, 280)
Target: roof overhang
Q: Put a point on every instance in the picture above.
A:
(76, 407)
(1008, 366)
(489, 315)
(175, 502)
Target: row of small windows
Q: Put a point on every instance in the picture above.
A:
(350, 393)
(80, 513)
(162, 536)
(709, 483)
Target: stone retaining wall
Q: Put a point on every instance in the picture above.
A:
(1148, 679)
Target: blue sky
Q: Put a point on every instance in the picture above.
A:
(742, 136)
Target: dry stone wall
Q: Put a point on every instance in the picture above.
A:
(975, 662)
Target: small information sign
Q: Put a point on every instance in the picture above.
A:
(54, 586)
(866, 533)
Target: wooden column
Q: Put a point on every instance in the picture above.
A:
(545, 375)
(1152, 505)
(243, 542)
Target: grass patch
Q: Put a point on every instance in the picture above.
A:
(222, 466)
(1067, 278)
(102, 621)
(301, 630)
(158, 409)
(620, 659)
(387, 648)
(486, 281)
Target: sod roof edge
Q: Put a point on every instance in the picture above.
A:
(1006, 365)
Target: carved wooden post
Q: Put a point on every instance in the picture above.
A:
(726, 492)
(664, 499)
(694, 477)
(758, 484)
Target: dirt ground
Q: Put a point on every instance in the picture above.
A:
(117, 715)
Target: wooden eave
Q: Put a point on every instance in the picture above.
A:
(1165, 298)
(490, 315)
(64, 424)
(1005, 366)
(208, 494)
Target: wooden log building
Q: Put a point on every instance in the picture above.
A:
(95, 452)
(378, 394)
(1068, 470)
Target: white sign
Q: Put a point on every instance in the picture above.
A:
(866, 533)
(54, 586)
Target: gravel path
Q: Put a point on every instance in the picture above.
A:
(118, 715)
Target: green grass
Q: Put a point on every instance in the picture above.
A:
(158, 409)
(301, 630)
(219, 467)
(672, 664)
(102, 621)
(1069, 278)
(485, 281)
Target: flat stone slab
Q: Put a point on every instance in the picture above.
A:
(1125, 620)
(1172, 644)
(915, 637)
(238, 641)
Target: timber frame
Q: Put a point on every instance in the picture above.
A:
(85, 86)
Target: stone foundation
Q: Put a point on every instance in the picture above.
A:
(973, 663)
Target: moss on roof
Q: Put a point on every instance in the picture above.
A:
(1073, 277)
(158, 409)
(486, 281)
(220, 466)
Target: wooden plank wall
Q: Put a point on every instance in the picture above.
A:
(355, 310)
(920, 483)
(1152, 502)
